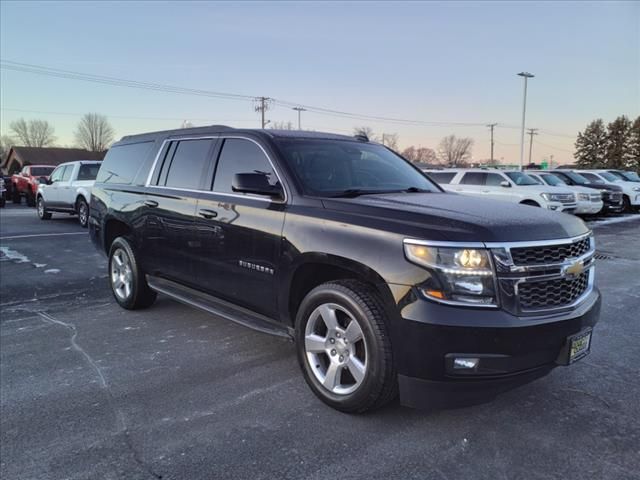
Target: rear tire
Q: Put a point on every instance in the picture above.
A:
(41, 208)
(15, 196)
(126, 278)
(31, 199)
(344, 348)
(82, 209)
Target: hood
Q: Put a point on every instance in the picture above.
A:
(604, 186)
(458, 218)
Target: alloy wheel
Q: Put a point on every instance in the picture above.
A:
(121, 274)
(335, 349)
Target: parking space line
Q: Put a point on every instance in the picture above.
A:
(42, 235)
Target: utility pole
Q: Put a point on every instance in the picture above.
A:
(299, 109)
(492, 126)
(531, 133)
(383, 139)
(526, 76)
(262, 105)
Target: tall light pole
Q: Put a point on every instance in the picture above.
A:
(299, 109)
(526, 76)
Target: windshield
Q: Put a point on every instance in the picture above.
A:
(520, 178)
(41, 171)
(609, 176)
(632, 176)
(341, 168)
(577, 178)
(552, 180)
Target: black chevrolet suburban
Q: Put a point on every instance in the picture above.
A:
(387, 284)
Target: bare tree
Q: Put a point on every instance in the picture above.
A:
(420, 155)
(281, 126)
(366, 131)
(94, 132)
(390, 140)
(454, 151)
(34, 133)
(6, 142)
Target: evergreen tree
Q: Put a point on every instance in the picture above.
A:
(591, 146)
(634, 146)
(618, 143)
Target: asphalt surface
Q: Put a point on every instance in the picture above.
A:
(90, 391)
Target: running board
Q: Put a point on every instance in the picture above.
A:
(221, 308)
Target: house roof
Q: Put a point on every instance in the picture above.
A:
(51, 155)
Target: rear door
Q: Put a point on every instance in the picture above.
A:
(170, 240)
(471, 183)
(240, 234)
(66, 194)
(50, 191)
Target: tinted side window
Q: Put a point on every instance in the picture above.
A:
(188, 162)
(88, 171)
(493, 179)
(473, 178)
(122, 163)
(240, 156)
(57, 174)
(66, 176)
(591, 177)
(442, 177)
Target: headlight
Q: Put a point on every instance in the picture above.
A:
(636, 189)
(583, 197)
(553, 197)
(458, 275)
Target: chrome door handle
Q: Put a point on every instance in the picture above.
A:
(208, 214)
(151, 203)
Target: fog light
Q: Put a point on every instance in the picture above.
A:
(465, 363)
(552, 207)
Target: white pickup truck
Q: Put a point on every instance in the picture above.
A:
(508, 185)
(68, 190)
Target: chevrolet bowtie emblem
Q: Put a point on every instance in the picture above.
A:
(574, 269)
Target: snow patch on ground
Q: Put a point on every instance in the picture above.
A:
(39, 265)
(52, 270)
(7, 254)
(609, 221)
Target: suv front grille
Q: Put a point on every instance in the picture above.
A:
(613, 197)
(567, 198)
(549, 254)
(554, 293)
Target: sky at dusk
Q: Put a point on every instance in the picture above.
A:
(447, 63)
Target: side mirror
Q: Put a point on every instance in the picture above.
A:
(255, 183)
(44, 180)
(505, 184)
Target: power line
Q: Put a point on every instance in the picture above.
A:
(531, 132)
(492, 126)
(115, 81)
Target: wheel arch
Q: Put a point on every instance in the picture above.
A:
(313, 269)
(114, 228)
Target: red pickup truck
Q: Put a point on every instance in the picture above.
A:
(26, 182)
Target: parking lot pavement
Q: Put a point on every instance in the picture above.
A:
(89, 390)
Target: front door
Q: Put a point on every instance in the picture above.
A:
(169, 242)
(240, 235)
(50, 191)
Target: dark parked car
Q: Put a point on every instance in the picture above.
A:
(611, 194)
(385, 282)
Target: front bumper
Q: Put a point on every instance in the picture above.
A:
(515, 350)
(588, 208)
(634, 199)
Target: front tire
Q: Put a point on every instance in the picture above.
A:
(82, 209)
(31, 199)
(344, 348)
(126, 278)
(15, 196)
(626, 201)
(42, 210)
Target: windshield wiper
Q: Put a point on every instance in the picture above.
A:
(356, 192)
(415, 190)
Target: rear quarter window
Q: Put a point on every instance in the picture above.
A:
(88, 171)
(442, 177)
(122, 163)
